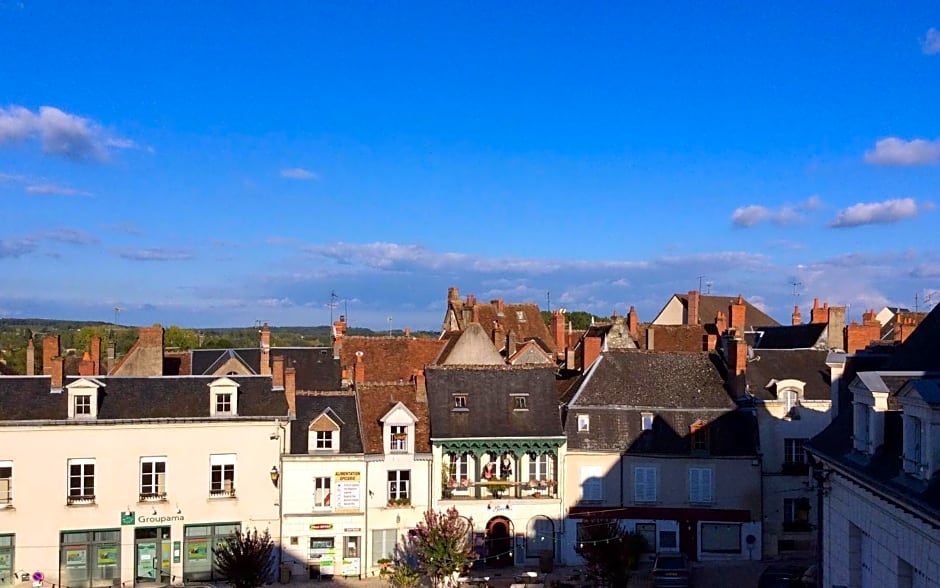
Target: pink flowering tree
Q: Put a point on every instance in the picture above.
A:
(440, 546)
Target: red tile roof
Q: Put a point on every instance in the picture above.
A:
(375, 400)
(389, 359)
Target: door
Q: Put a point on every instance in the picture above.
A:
(688, 538)
(147, 561)
(152, 558)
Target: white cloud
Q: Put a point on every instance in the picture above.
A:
(55, 190)
(67, 235)
(155, 254)
(748, 216)
(61, 134)
(787, 214)
(878, 213)
(931, 44)
(299, 173)
(892, 151)
(16, 247)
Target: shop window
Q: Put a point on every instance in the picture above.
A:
(668, 541)
(90, 558)
(648, 532)
(720, 538)
(383, 544)
(7, 551)
(198, 543)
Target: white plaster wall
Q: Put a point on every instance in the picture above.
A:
(402, 518)
(672, 314)
(40, 455)
(893, 533)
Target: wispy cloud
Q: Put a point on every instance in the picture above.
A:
(154, 254)
(892, 151)
(55, 190)
(60, 133)
(68, 235)
(931, 44)
(299, 173)
(879, 213)
(787, 214)
(126, 228)
(16, 247)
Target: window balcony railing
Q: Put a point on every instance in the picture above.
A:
(80, 499)
(226, 493)
(488, 490)
(152, 496)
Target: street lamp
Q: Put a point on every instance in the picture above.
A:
(275, 475)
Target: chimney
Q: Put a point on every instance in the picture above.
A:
(57, 371)
(339, 332)
(858, 336)
(453, 295)
(819, 314)
(737, 354)
(497, 334)
(721, 322)
(278, 371)
(498, 303)
(265, 350)
(87, 366)
(359, 371)
(421, 389)
(112, 354)
(738, 319)
(471, 300)
(510, 344)
(290, 389)
(633, 323)
(407, 331)
(649, 338)
(904, 326)
(50, 349)
(558, 329)
(835, 317)
(692, 316)
(96, 354)
(30, 357)
(711, 341)
(590, 349)
(796, 318)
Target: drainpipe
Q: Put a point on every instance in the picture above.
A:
(820, 476)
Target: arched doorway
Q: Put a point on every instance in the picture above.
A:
(540, 536)
(499, 542)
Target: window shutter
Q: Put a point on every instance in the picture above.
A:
(644, 484)
(591, 483)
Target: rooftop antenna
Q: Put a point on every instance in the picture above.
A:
(708, 287)
(389, 319)
(332, 304)
(700, 278)
(117, 312)
(796, 288)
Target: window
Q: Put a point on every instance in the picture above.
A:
(459, 468)
(648, 532)
(81, 481)
(399, 438)
(592, 483)
(915, 461)
(324, 440)
(6, 483)
(796, 514)
(721, 538)
(82, 404)
(460, 401)
(520, 403)
(90, 558)
(520, 316)
(699, 433)
(383, 544)
(860, 427)
(668, 541)
(540, 466)
(700, 485)
(398, 486)
(223, 403)
(198, 543)
(793, 451)
(792, 398)
(321, 493)
(222, 468)
(646, 421)
(644, 484)
(152, 478)
(350, 547)
(7, 565)
(584, 423)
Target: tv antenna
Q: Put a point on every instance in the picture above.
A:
(700, 278)
(331, 304)
(796, 288)
(117, 312)
(389, 319)
(708, 288)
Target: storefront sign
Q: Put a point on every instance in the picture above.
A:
(177, 549)
(127, 518)
(321, 526)
(352, 529)
(351, 566)
(159, 518)
(348, 492)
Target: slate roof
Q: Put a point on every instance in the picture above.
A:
(806, 365)
(390, 359)
(523, 319)
(491, 411)
(919, 351)
(162, 397)
(709, 305)
(310, 406)
(375, 400)
(678, 388)
(805, 336)
(316, 368)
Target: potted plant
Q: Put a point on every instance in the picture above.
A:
(497, 489)
(385, 565)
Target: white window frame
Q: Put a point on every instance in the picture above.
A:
(398, 445)
(223, 463)
(592, 483)
(646, 421)
(793, 450)
(323, 440)
(399, 486)
(384, 544)
(645, 484)
(520, 402)
(156, 489)
(322, 486)
(540, 467)
(78, 493)
(223, 402)
(701, 485)
(82, 406)
(6, 483)
(460, 402)
(584, 423)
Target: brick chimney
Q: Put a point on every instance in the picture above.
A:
(87, 366)
(860, 336)
(497, 334)
(359, 370)
(590, 349)
(737, 354)
(265, 350)
(819, 314)
(50, 349)
(277, 371)
(339, 332)
(558, 330)
(96, 354)
(904, 325)
(835, 316)
(796, 318)
(633, 323)
(510, 343)
(421, 389)
(57, 371)
(453, 294)
(737, 314)
(721, 322)
(290, 389)
(30, 357)
(692, 317)
(500, 307)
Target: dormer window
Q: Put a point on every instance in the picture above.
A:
(520, 403)
(584, 423)
(792, 399)
(398, 429)
(399, 438)
(920, 409)
(223, 395)
(460, 402)
(324, 440)
(699, 434)
(82, 404)
(520, 316)
(646, 421)
(323, 432)
(860, 432)
(83, 398)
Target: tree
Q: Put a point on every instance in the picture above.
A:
(179, 338)
(609, 551)
(440, 546)
(247, 559)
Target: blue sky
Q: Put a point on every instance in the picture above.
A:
(219, 163)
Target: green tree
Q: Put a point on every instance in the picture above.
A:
(609, 551)
(578, 319)
(247, 559)
(440, 546)
(175, 337)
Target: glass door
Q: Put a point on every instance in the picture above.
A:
(146, 561)
(152, 560)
